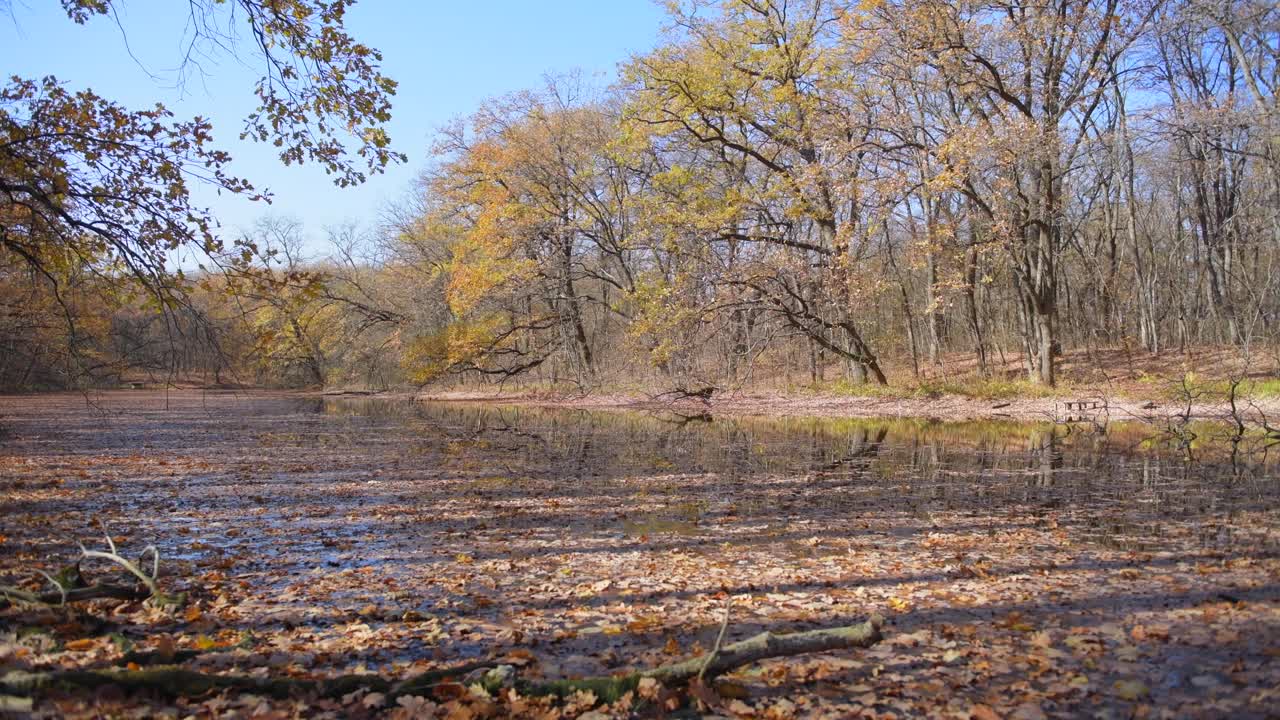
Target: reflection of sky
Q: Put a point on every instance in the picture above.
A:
(447, 57)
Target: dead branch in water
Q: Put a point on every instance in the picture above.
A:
(70, 586)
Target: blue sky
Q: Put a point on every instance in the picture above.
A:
(447, 56)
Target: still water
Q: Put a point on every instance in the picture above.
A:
(1122, 485)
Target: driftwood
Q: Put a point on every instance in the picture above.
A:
(178, 682)
(69, 585)
(683, 393)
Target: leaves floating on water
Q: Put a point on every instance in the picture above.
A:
(1026, 574)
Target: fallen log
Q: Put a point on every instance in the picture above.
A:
(168, 681)
(172, 681)
(730, 657)
(96, 591)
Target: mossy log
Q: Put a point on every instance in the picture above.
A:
(173, 681)
(170, 681)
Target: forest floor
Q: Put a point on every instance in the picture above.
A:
(316, 538)
(1114, 384)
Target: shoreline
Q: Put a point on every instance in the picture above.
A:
(780, 404)
(947, 408)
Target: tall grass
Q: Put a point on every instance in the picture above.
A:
(1220, 389)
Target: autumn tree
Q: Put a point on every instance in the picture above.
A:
(110, 187)
(1032, 77)
(765, 84)
(530, 208)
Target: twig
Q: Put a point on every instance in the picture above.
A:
(65, 592)
(62, 591)
(114, 556)
(715, 651)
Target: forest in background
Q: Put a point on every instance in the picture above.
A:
(843, 191)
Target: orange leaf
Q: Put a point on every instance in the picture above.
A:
(983, 712)
(449, 691)
(519, 657)
(164, 648)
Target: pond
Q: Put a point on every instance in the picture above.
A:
(1123, 484)
(1057, 562)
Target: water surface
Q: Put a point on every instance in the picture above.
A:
(1124, 484)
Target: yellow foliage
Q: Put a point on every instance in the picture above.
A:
(428, 357)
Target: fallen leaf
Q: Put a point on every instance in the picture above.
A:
(1131, 689)
(1028, 711)
(448, 690)
(648, 688)
(705, 695)
(733, 690)
(165, 648)
(983, 712)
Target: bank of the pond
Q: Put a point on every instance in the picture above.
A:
(1060, 407)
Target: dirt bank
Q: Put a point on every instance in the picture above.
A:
(942, 407)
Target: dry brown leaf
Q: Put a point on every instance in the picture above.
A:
(983, 712)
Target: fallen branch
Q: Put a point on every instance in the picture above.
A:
(173, 681)
(681, 393)
(169, 681)
(179, 682)
(730, 657)
(715, 650)
(69, 585)
(96, 591)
